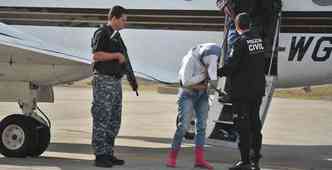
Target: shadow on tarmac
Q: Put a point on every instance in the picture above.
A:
(275, 156)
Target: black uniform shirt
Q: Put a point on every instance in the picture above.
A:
(106, 40)
(246, 68)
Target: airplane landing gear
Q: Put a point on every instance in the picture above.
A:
(27, 134)
(42, 136)
(16, 136)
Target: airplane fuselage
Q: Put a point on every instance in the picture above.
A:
(305, 59)
(305, 40)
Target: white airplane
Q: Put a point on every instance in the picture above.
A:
(165, 30)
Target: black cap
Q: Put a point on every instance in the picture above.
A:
(243, 20)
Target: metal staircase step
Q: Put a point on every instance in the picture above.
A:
(224, 122)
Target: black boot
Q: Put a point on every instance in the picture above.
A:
(255, 161)
(241, 166)
(116, 161)
(103, 161)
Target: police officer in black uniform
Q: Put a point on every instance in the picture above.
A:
(246, 71)
(110, 64)
(231, 8)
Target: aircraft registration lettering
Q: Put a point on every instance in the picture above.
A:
(299, 47)
(324, 46)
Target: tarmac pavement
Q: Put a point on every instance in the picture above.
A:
(297, 135)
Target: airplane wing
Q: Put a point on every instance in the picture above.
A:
(26, 58)
(43, 52)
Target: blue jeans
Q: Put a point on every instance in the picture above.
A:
(191, 101)
(231, 39)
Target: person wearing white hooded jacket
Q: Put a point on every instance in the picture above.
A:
(198, 67)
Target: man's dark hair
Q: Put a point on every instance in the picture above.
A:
(117, 11)
(243, 20)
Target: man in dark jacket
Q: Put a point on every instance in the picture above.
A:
(110, 64)
(231, 8)
(246, 72)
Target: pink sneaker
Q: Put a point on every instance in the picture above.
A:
(171, 160)
(200, 161)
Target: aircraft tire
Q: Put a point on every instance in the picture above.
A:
(42, 139)
(16, 135)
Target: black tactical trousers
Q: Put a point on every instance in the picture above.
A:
(248, 123)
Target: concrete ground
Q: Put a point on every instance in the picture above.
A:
(297, 135)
